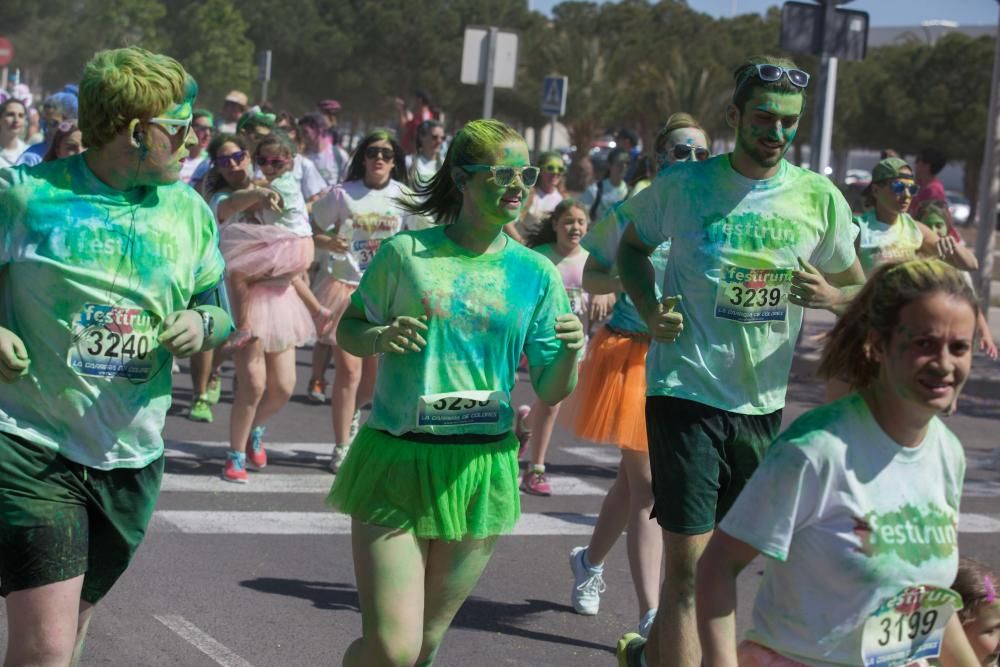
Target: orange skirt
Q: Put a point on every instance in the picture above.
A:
(609, 404)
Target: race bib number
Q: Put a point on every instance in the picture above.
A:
(114, 341)
(576, 301)
(460, 408)
(908, 627)
(363, 250)
(753, 295)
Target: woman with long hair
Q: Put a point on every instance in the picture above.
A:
(856, 505)
(351, 222)
(431, 480)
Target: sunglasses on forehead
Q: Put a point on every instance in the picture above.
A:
(375, 152)
(504, 175)
(772, 73)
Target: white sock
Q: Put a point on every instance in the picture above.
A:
(539, 468)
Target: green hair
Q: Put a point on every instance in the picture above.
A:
(547, 156)
(747, 80)
(476, 143)
(119, 85)
(203, 113)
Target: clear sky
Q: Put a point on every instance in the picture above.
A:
(882, 12)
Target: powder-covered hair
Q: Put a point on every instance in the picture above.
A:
(977, 585)
(356, 169)
(546, 232)
(678, 121)
(747, 80)
(476, 143)
(847, 355)
(119, 85)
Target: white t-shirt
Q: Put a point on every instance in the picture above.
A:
(375, 216)
(191, 166)
(879, 243)
(293, 216)
(332, 163)
(571, 271)
(610, 195)
(421, 170)
(310, 180)
(539, 208)
(8, 156)
(848, 518)
(735, 243)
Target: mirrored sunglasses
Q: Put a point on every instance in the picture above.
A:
(504, 175)
(909, 187)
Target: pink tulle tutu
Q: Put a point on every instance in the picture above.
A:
(277, 315)
(335, 295)
(264, 251)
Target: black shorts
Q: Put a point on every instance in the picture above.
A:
(60, 519)
(701, 458)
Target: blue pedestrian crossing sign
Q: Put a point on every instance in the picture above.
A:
(554, 92)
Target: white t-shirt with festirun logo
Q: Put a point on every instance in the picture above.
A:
(849, 519)
(735, 243)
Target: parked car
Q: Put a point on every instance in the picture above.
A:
(958, 205)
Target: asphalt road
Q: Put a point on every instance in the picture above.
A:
(261, 575)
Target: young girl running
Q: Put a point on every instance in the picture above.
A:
(856, 504)
(353, 220)
(610, 403)
(558, 240)
(431, 479)
(267, 248)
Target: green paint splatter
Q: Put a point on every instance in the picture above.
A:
(913, 534)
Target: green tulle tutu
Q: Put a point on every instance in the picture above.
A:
(437, 491)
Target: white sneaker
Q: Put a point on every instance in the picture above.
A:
(647, 623)
(337, 458)
(355, 425)
(588, 584)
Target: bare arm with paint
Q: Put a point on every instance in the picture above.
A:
(247, 198)
(723, 560)
(600, 279)
(946, 249)
(813, 289)
(358, 336)
(556, 381)
(955, 648)
(639, 279)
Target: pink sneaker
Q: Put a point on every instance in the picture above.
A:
(536, 483)
(235, 469)
(255, 448)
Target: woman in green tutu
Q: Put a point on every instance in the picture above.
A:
(431, 480)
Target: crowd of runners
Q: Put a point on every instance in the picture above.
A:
(657, 312)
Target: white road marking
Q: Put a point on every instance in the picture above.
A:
(332, 523)
(608, 455)
(319, 483)
(978, 523)
(205, 643)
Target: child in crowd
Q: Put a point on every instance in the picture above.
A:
(279, 244)
(558, 239)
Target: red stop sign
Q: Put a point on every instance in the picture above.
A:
(6, 51)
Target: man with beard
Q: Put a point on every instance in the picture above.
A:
(755, 240)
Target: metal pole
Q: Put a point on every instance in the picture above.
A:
(552, 132)
(986, 215)
(823, 85)
(829, 98)
(3, 78)
(491, 56)
(263, 91)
